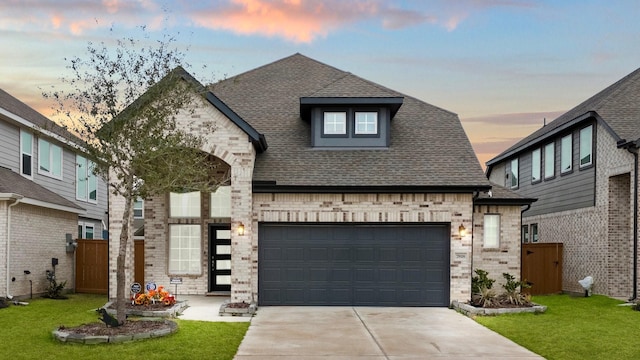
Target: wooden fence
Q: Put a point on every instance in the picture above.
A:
(542, 267)
(92, 266)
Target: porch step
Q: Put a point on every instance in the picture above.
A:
(218, 293)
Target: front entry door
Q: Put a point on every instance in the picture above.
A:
(220, 257)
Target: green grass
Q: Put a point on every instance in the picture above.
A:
(25, 333)
(574, 328)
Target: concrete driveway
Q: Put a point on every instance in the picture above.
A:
(372, 333)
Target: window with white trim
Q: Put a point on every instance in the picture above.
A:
(586, 143)
(514, 173)
(184, 205)
(26, 153)
(535, 165)
(549, 160)
(366, 123)
(85, 230)
(334, 123)
(86, 180)
(221, 202)
(566, 154)
(184, 249)
(138, 209)
(491, 231)
(49, 159)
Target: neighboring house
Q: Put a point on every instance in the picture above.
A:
(582, 168)
(46, 192)
(341, 192)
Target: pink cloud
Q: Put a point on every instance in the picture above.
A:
(302, 21)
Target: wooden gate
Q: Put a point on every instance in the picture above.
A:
(92, 266)
(138, 261)
(542, 267)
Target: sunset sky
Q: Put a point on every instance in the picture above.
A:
(502, 65)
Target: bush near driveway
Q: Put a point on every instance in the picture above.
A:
(595, 327)
(26, 334)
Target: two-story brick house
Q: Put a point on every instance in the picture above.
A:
(583, 169)
(340, 192)
(46, 192)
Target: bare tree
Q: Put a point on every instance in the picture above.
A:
(123, 101)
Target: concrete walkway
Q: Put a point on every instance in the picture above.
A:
(206, 308)
(342, 333)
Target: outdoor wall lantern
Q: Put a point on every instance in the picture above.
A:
(462, 230)
(241, 229)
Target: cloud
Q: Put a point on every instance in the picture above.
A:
(73, 16)
(303, 21)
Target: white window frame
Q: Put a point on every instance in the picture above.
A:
(334, 123)
(49, 158)
(514, 175)
(535, 166)
(139, 207)
(185, 249)
(23, 153)
(586, 145)
(220, 202)
(184, 205)
(85, 174)
(366, 123)
(550, 160)
(84, 226)
(566, 154)
(491, 233)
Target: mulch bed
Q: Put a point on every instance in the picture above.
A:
(128, 328)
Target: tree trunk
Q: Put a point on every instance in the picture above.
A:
(121, 298)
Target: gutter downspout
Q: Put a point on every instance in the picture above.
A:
(634, 151)
(17, 200)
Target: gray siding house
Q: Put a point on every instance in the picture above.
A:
(341, 192)
(582, 167)
(46, 192)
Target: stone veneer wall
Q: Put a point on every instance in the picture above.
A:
(230, 144)
(506, 258)
(374, 208)
(588, 248)
(37, 235)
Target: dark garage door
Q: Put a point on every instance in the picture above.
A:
(363, 265)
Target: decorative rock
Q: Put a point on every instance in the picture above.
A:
(65, 336)
(472, 310)
(226, 309)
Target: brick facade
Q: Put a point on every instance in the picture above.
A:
(375, 208)
(37, 235)
(598, 239)
(230, 144)
(506, 258)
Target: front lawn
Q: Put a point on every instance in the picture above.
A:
(25, 333)
(574, 328)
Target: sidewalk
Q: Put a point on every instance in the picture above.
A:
(206, 308)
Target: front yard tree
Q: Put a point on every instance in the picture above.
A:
(123, 101)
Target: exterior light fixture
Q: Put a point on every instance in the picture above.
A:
(241, 229)
(462, 230)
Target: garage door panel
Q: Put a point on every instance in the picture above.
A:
(346, 264)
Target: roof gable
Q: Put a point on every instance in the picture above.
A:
(428, 146)
(618, 106)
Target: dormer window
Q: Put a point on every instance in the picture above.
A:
(334, 123)
(349, 123)
(366, 123)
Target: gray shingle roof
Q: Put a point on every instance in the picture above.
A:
(428, 147)
(12, 182)
(24, 111)
(618, 105)
(502, 195)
